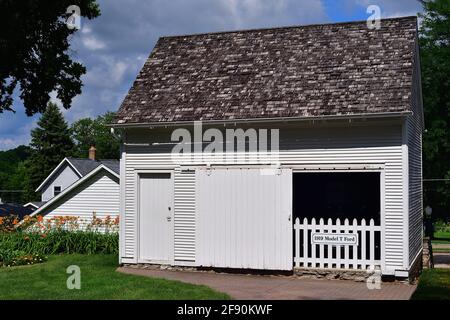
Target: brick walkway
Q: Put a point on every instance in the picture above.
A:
(254, 287)
(441, 260)
(441, 246)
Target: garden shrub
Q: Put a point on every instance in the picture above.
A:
(35, 238)
(60, 241)
(441, 225)
(10, 258)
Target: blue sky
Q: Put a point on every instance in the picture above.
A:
(114, 46)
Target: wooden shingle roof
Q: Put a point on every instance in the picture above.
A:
(304, 71)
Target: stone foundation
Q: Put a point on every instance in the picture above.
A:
(427, 253)
(416, 268)
(149, 266)
(341, 274)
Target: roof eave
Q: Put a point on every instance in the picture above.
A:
(266, 120)
(30, 204)
(55, 170)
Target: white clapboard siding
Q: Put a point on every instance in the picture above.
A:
(64, 177)
(99, 195)
(414, 132)
(339, 256)
(184, 215)
(299, 145)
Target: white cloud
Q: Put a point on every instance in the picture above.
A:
(85, 29)
(55, 99)
(109, 72)
(21, 136)
(91, 43)
(269, 13)
(118, 71)
(7, 143)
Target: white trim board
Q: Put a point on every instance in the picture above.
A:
(56, 170)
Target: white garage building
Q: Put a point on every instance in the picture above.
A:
(340, 187)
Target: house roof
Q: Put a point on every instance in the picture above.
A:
(35, 204)
(7, 209)
(79, 182)
(303, 71)
(82, 167)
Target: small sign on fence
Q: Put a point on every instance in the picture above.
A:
(357, 241)
(334, 238)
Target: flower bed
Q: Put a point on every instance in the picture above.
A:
(30, 241)
(10, 258)
(8, 223)
(71, 223)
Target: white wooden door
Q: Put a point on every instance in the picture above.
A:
(244, 218)
(155, 217)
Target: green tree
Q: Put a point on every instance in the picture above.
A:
(89, 132)
(13, 174)
(20, 180)
(435, 62)
(50, 143)
(34, 52)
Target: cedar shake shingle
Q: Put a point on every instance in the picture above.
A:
(314, 70)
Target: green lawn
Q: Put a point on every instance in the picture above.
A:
(433, 284)
(441, 237)
(99, 280)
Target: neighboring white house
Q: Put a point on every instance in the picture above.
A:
(80, 187)
(341, 190)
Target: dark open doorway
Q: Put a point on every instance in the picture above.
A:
(337, 195)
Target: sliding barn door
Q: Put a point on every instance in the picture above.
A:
(244, 218)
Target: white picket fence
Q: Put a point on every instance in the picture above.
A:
(336, 246)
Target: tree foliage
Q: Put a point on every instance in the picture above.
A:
(435, 62)
(13, 174)
(89, 132)
(50, 142)
(34, 52)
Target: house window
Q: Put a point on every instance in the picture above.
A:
(56, 190)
